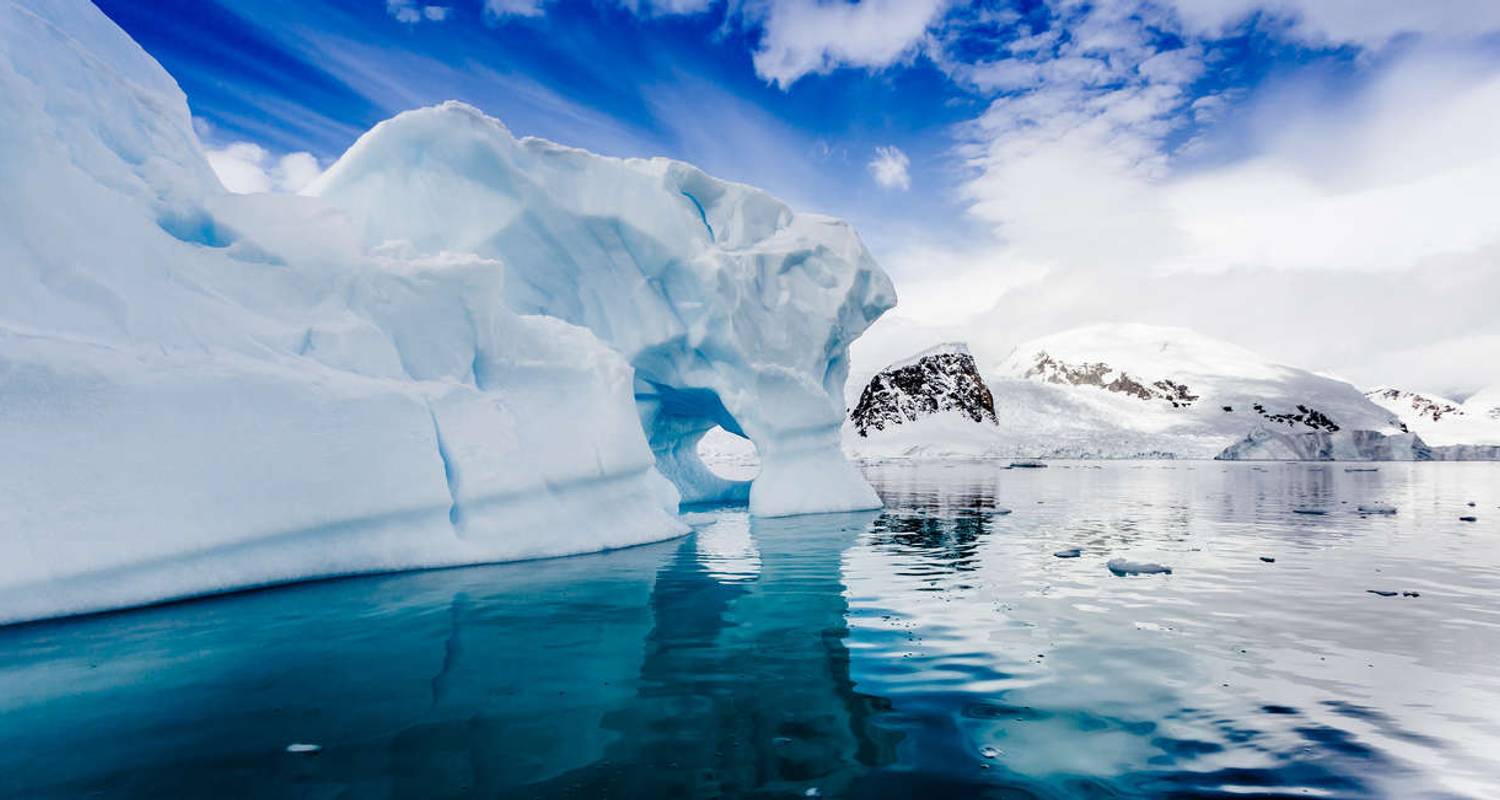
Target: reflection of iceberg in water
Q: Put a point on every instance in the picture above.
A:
(712, 666)
(726, 549)
(437, 684)
(745, 686)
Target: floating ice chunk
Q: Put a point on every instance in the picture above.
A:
(1376, 508)
(1123, 567)
(1071, 552)
(301, 747)
(990, 751)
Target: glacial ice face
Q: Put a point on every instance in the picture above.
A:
(1263, 444)
(201, 391)
(733, 310)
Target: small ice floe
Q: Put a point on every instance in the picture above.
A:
(1028, 464)
(1376, 508)
(1309, 510)
(301, 747)
(1268, 559)
(1468, 518)
(813, 792)
(990, 751)
(1123, 567)
(1071, 552)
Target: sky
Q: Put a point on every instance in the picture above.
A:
(1316, 180)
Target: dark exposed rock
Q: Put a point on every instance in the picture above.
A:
(944, 379)
(1421, 405)
(1049, 369)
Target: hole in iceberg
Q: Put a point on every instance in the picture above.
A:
(729, 455)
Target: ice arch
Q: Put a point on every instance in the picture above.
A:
(732, 309)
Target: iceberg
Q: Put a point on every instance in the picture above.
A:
(733, 311)
(460, 347)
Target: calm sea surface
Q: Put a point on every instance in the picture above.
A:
(936, 649)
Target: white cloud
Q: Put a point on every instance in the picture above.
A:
(802, 37)
(889, 167)
(500, 9)
(664, 8)
(1349, 235)
(410, 12)
(247, 168)
(1366, 22)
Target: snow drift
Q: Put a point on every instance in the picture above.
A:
(471, 348)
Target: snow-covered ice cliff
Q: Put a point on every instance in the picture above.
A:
(468, 348)
(1265, 444)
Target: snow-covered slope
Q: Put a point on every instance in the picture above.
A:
(1484, 404)
(1128, 389)
(202, 391)
(1135, 391)
(1439, 420)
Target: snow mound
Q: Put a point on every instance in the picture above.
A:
(208, 392)
(733, 311)
(1439, 420)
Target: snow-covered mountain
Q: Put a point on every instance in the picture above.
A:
(1130, 390)
(940, 380)
(461, 347)
(1439, 420)
(1484, 404)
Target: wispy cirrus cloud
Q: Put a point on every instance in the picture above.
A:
(890, 168)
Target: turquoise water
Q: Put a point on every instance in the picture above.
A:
(936, 649)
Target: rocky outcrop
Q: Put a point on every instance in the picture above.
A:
(1407, 403)
(1049, 369)
(944, 378)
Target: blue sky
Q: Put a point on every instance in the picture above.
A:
(310, 76)
(1018, 165)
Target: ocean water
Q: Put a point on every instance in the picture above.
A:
(936, 649)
